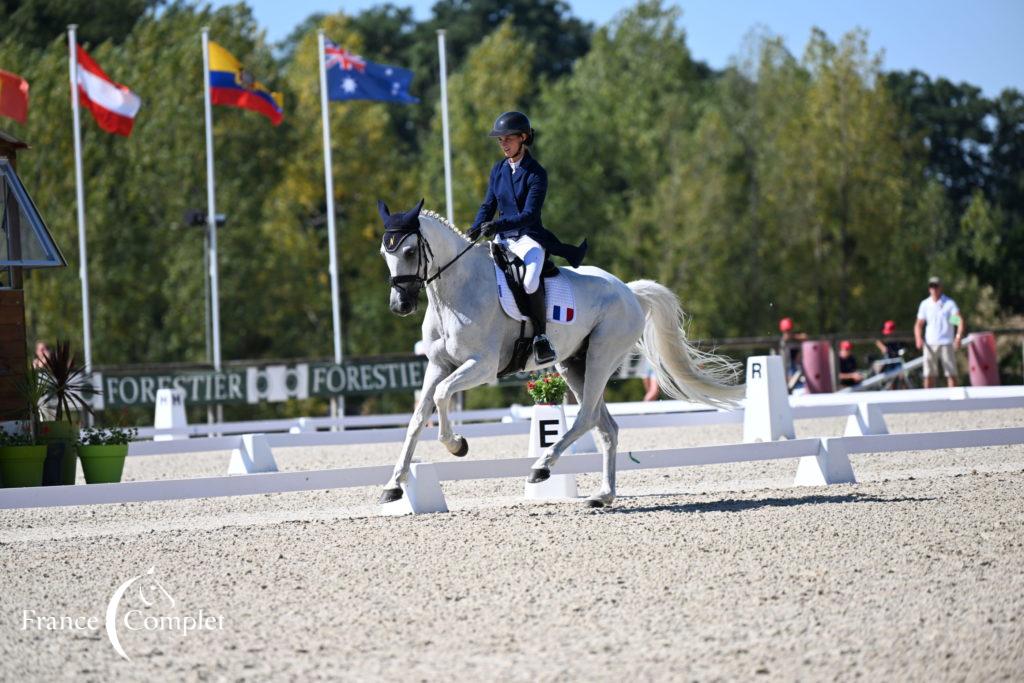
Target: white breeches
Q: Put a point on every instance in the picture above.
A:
(532, 254)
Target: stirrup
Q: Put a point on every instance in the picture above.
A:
(543, 353)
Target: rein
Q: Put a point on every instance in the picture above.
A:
(423, 264)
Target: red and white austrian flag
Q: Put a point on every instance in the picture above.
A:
(112, 105)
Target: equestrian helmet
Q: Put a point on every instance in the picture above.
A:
(512, 122)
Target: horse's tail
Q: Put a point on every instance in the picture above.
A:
(683, 371)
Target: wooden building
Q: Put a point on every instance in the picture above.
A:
(25, 243)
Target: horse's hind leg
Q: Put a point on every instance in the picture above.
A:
(608, 440)
(607, 430)
(603, 356)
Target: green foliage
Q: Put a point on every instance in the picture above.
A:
(547, 387)
(608, 131)
(38, 22)
(949, 119)
(32, 388)
(484, 88)
(66, 383)
(972, 146)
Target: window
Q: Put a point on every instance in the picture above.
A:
(25, 242)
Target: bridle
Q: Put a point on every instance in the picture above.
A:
(424, 255)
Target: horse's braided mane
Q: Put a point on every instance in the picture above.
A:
(429, 213)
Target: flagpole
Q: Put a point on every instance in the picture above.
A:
(211, 208)
(83, 267)
(444, 124)
(332, 241)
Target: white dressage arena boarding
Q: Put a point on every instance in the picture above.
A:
(822, 461)
(767, 418)
(865, 412)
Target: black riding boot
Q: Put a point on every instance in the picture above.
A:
(542, 351)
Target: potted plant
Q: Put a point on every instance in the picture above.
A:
(102, 452)
(21, 456)
(67, 389)
(547, 389)
(21, 461)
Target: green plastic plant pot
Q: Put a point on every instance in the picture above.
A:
(21, 465)
(103, 464)
(59, 437)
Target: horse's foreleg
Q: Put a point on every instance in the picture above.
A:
(432, 377)
(472, 373)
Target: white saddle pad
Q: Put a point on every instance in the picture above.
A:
(559, 301)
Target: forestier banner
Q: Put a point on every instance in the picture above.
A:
(274, 383)
(255, 384)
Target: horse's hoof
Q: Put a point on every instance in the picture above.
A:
(537, 475)
(390, 496)
(463, 448)
(595, 503)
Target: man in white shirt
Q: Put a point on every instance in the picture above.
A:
(936, 317)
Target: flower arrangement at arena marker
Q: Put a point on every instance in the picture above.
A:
(547, 388)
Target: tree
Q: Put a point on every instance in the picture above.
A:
(369, 163)
(559, 38)
(723, 210)
(146, 269)
(605, 131)
(1007, 192)
(477, 93)
(949, 120)
(37, 23)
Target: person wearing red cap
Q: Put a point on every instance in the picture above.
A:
(788, 348)
(848, 373)
(888, 346)
(892, 353)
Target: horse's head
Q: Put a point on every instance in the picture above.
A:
(405, 252)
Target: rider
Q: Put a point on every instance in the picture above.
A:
(516, 189)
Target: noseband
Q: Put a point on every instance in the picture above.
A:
(424, 255)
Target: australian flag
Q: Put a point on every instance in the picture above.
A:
(350, 77)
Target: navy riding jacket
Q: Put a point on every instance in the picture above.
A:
(519, 198)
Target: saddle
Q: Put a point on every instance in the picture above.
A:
(514, 269)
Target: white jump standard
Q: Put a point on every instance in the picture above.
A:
(470, 339)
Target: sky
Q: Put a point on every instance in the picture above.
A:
(978, 41)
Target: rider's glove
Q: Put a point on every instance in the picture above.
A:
(488, 228)
(474, 234)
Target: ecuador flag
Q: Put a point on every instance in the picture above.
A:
(233, 86)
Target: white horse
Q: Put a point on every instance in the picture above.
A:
(469, 339)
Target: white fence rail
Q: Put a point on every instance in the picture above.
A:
(825, 405)
(822, 461)
(771, 415)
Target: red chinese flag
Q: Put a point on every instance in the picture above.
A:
(13, 96)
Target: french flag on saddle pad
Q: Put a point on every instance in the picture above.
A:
(113, 105)
(562, 314)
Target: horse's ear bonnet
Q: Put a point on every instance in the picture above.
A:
(398, 226)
